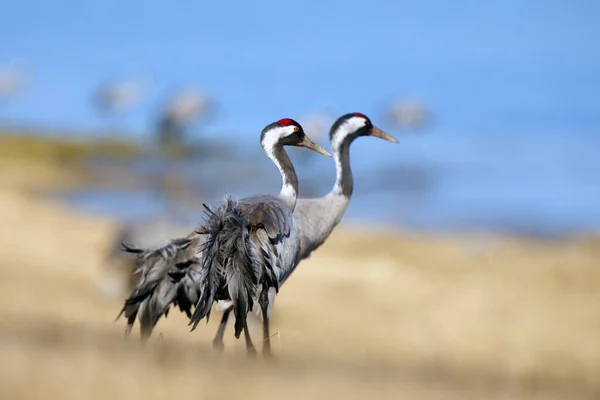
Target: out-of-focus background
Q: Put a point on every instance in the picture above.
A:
(468, 262)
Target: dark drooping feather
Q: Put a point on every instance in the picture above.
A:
(242, 246)
(224, 254)
(168, 276)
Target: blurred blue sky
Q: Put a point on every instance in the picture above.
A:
(514, 87)
(481, 66)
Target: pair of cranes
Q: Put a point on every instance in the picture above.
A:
(246, 249)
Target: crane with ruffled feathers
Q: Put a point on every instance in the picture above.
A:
(244, 249)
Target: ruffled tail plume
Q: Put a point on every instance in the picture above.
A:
(225, 254)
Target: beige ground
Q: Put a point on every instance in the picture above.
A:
(392, 315)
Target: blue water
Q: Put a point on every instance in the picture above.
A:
(514, 88)
(510, 183)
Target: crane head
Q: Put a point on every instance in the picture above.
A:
(352, 125)
(287, 132)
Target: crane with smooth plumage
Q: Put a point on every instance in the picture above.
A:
(318, 217)
(242, 250)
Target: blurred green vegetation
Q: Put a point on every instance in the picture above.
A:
(29, 146)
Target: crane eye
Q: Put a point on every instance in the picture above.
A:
(296, 129)
(366, 122)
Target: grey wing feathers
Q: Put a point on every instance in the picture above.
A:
(274, 236)
(244, 242)
(168, 276)
(267, 212)
(225, 255)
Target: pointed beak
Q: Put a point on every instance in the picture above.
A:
(375, 131)
(309, 144)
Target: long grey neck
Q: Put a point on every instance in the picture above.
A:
(289, 186)
(317, 218)
(344, 183)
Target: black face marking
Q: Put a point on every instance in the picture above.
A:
(290, 140)
(341, 120)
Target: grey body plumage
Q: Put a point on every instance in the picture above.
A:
(251, 246)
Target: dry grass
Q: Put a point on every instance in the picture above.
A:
(370, 314)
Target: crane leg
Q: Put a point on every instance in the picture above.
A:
(264, 306)
(249, 346)
(218, 340)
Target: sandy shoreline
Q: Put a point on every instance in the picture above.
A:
(397, 314)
